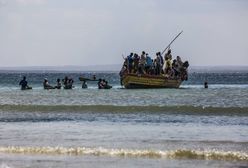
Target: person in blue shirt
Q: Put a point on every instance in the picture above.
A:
(148, 63)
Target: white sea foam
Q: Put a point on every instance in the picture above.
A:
(170, 154)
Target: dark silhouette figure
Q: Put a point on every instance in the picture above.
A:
(24, 84)
(205, 84)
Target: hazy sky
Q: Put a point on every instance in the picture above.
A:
(93, 32)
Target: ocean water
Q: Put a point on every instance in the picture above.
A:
(186, 127)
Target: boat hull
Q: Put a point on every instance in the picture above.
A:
(86, 79)
(133, 81)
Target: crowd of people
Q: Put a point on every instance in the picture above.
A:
(167, 66)
(66, 83)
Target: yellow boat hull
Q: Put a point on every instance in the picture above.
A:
(133, 81)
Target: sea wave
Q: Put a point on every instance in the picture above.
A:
(112, 108)
(170, 154)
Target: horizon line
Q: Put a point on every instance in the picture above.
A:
(98, 65)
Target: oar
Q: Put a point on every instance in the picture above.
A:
(172, 42)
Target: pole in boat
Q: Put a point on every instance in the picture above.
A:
(172, 42)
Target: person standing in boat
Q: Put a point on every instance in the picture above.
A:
(184, 73)
(179, 62)
(153, 68)
(130, 62)
(149, 63)
(168, 66)
(168, 63)
(161, 61)
(136, 59)
(157, 63)
(142, 63)
(126, 63)
(168, 54)
(175, 69)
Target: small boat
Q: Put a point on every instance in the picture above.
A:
(87, 79)
(134, 81)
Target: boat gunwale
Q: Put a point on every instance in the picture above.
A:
(149, 76)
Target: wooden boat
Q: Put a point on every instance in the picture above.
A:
(134, 81)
